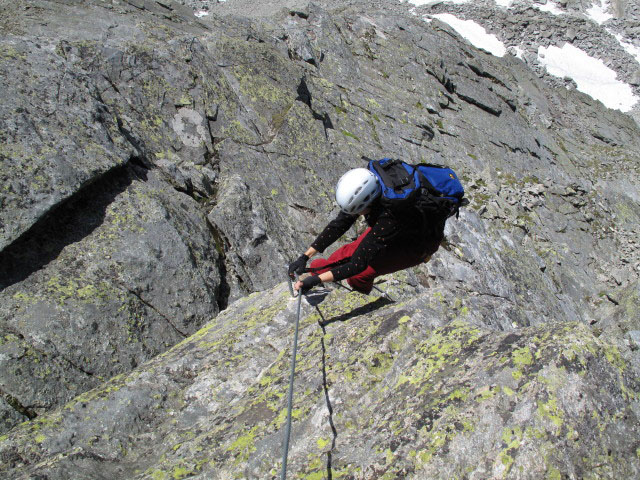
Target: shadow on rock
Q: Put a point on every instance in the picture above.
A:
(65, 224)
(368, 308)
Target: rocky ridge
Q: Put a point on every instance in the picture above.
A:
(524, 27)
(383, 390)
(158, 168)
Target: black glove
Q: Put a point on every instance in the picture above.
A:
(298, 265)
(310, 282)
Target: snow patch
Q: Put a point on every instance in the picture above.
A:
(591, 75)
(201, 13)
(474, 33)
(598, 12)
(420, 3)
(550, 7)
(629, 47)
(504, 3)
(516, 51)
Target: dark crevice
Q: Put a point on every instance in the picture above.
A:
(133, 4)
(492, 295)
(428, 132)
(484, 74)
(447, 103)
(165, 5)
(302, 15)
(256, 242)
(612, 300)
(224, 290)
(111, 83)
(187, 188)
(302, 208)
(135, 142)
(326, 122)
(510, 103)
(212, 156)
(254, 37)
(482, 106)
(412, 141)
(442, 78)
(325, 387)
(304, 96)
(163, 316)
(68, 222)
(55, 354)
(104, 112)
(450, 134)
(516, 150)
(14, 403)
(448, 84)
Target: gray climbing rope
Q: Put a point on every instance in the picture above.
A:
(287, 433)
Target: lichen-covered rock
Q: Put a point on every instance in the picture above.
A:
(383, 390)
(157, 167)
(113, 284)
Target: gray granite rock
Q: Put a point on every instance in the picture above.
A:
(526, 26)
(400, 390)
(160, 169)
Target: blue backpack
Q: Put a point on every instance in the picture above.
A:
(434, 190)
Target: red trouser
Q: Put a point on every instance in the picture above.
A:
(386, 261)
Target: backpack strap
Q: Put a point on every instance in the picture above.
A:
(392, 173)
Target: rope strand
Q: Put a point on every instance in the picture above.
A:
(287, 434)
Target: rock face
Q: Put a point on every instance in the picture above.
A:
(608, 31)
(410, 390)
(161, 169)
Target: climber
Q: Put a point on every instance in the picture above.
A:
(394, 240)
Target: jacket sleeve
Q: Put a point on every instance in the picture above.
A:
(333, 231)
(381, 235)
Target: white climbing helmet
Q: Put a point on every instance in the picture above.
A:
(356, 189)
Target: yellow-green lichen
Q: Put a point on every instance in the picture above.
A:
(553, 474)
(158, 475)
(521, 358)
(512, 437)
(440, 350)
(62, 290)
(486, 393)
(550, 411)
(243, 446)
(346, 133)
(180, 472)
(322, 443)
(508, 391)
(9, 52)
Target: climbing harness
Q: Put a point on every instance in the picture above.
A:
(287, 433)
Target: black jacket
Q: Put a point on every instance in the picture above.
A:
(388, 230)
